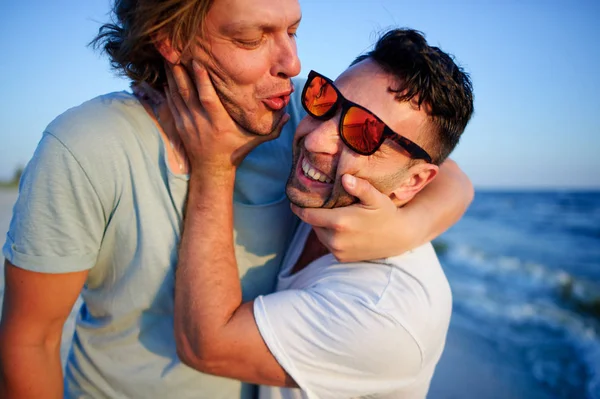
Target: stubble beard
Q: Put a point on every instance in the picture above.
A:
(246, 120)
(301, 196)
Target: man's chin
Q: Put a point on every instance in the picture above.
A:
(264, 125)
(258, 120)
(306, 204)
(303, 200)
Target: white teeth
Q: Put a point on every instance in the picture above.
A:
(314, 174)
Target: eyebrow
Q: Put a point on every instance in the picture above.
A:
(237, 27)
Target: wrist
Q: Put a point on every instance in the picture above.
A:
(211, 173)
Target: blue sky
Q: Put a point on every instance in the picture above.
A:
(534, 65)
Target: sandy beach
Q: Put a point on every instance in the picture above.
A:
(471, 366)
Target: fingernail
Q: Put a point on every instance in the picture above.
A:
(196, 65)
(350, 181)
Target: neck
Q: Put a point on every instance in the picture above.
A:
(313, 250)
(163, 119)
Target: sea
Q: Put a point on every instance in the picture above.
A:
(524, 268)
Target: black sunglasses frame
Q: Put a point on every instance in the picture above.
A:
(411, 147)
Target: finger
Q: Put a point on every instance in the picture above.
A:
(181, 114)
(368, 195)
(319, 217)
(174, 93)
(185, 86)
(174, 111)
(205, 90)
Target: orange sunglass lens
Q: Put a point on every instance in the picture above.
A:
(362, 130)
(319, 96)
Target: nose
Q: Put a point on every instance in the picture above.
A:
(287, 63)
(323, 138)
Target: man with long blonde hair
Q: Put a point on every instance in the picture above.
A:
(100, 209)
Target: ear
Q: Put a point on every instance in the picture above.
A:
(419, 176)
(164, 45)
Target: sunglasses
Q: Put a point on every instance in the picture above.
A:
(360, 129)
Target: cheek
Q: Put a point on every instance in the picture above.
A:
(382, 174)
(243, 67)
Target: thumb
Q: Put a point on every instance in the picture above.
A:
(368, 195)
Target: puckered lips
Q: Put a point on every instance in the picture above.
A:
(278, 101)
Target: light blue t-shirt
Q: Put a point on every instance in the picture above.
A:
(98, 195)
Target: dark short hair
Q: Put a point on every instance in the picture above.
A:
(429, 76)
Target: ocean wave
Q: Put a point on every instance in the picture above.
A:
(553, 316)
(560, 348)
(583, 294)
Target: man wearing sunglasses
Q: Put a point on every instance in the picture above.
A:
(101, 204)
(331, 329)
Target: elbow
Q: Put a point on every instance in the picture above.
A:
(189, 348)
(207, 363)
(185, 350)
(201, 354)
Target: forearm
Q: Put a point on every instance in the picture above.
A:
(29, 371)
(438, 206)
(208, 290)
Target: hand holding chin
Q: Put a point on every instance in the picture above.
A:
(355, 232)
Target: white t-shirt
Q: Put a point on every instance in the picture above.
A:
(344, 330)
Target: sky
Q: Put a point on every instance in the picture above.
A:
(534, 66)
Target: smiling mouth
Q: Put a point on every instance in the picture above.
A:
(313, 173)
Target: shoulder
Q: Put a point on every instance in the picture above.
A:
(419, 297)
(359, 320)
(418, 275)
(379, 282)
(411, 290)
(105, 137)
(97, 122)
(344, 335)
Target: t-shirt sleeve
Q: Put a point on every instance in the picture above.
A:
(336, 345)
(58, 220)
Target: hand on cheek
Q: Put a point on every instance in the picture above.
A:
(213, 141)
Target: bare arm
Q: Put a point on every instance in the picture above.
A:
(36, 306)
(375, 228)
(215, 332)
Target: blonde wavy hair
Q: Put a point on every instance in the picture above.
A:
(128, 40)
